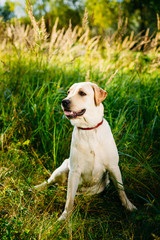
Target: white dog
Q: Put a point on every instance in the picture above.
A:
(93, 152)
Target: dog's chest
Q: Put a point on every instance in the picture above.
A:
(85, 138)
(83, 156)
(84, 145)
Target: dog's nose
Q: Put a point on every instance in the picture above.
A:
(65, 102)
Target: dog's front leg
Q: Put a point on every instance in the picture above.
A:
(117, 179)
(73, 181)
(58, 176)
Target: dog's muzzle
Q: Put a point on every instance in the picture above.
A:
(71, 114)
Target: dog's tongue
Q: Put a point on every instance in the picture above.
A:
(67, 113)
(71, 114)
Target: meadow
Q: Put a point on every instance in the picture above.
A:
(35, 72)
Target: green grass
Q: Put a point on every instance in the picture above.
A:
(36, 139)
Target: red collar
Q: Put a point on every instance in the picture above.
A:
(92, 127)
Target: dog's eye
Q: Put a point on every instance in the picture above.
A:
(81, 93)
(68, 91)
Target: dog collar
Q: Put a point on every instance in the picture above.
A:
(99, 124)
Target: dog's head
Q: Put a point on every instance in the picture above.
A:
(83, 104)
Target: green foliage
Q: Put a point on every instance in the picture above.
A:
(141, 13)
(103, 14)
(7, 12)
(64, 10)
(108, 15)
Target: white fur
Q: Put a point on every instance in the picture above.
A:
(93, 153)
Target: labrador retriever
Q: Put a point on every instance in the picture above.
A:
(93, 153)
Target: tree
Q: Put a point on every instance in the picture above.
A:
(103, 14)
(63, 9)
(106, 14)
(7, 12)
(141, 13)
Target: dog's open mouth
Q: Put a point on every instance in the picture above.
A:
(70, 114)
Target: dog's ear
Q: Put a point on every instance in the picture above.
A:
(99, 94)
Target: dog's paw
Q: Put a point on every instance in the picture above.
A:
(63, 216)
(130, 207)
(30, 189)
(40, 186)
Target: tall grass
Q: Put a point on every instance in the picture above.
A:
(35, 136)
